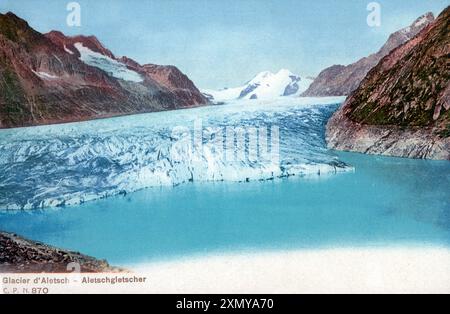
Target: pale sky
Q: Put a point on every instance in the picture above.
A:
(223, 43)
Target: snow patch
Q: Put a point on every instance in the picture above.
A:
(421, 21)
(68, 51)
(45, 75)
(107, 64)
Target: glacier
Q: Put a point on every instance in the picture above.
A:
(105, 63)
(69, 164)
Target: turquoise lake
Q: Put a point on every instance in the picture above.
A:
(386, 201)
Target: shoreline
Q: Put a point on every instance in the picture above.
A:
(337, 270)
(396, 269)
(21, 256)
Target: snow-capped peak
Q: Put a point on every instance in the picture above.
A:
(261, 76)
(418, 25)
(424, 19)
(266, 86)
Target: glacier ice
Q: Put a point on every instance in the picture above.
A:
(67, 164)
(105, 63)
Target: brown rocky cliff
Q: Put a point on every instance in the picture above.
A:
(28, 99)
(173, 79)
(402, 106)
(339, 80)
(43, 81)
(164, 76)
(91, 42)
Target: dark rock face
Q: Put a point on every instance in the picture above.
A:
(339, 80)
(292, 88)
(402, 107)
(18, 255)
(249, 89)
(43, 81)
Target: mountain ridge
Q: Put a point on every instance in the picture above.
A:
(402, 107)
(46, 79)
(342, 80)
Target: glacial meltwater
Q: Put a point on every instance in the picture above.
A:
(112, 189)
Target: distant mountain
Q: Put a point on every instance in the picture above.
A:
(340, 80)
(265, 86)
(402, 107)
(53, 78)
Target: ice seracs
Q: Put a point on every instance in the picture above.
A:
(264, 86)
(101, 158)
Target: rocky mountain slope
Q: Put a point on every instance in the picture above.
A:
(53, 78)
(402, 107)
(340, 80)
(18, 255)
(264, 86)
